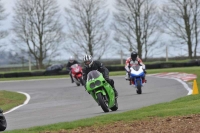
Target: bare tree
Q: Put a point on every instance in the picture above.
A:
(182, 21)
(86, 20)
(3, 15)
(195, 5)
(37, 28)
(136, 25)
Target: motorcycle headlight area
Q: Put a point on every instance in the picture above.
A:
(96, 83)
(76, 70)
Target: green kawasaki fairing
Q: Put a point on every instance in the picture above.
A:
(101, 91)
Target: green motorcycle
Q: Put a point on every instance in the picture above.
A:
(101, 91)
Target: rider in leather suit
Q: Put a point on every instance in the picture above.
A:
(90, 64)
(133, 60)
(71, 62)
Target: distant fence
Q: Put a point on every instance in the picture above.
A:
(110, 68)
(160, 65)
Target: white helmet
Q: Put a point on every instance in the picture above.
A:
(71, 59)
(88, 61)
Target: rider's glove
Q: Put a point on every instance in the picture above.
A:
(106, 77)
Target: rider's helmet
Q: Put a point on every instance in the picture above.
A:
(88, 61)
(71, 59)
(134, 55)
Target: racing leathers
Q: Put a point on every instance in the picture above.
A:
(130, 62)
(102, 69)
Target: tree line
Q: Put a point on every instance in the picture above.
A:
(90, 27)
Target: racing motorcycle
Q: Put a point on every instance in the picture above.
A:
(101, 91)
(137, 77)
(77, 74)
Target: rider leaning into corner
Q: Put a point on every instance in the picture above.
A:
(71, 62)
(90, 64)
(131, 61)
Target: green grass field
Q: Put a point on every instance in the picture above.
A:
(182, 106)
(10, 99)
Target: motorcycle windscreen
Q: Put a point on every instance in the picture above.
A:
(93, 75)
(74, 66)
(136, 67)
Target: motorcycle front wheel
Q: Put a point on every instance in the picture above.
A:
(139, 87)
(81, 81)
(102, 102)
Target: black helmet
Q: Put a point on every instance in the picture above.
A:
(134, 55)
(88, 61)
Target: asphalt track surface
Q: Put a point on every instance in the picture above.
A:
(58, 100)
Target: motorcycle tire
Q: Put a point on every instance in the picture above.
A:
(3, 123)
(139, 87)
(102, 102)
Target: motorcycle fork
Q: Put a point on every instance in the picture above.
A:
(141, 81)
(104, 97)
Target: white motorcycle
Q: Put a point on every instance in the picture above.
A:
(137, 77)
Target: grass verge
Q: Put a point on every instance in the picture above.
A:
(10, 99)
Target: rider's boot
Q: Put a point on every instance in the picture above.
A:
(127, 76)
(111, 82)
(130, 82)
(144, 80)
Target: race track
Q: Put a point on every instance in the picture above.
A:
(58, 100)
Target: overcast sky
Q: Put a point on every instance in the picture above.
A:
(9, 4)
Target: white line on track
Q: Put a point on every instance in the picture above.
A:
(28, 97)
(179, 80)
